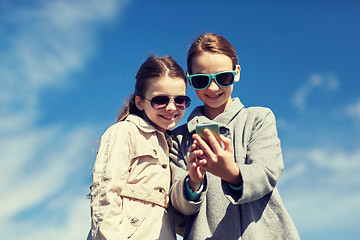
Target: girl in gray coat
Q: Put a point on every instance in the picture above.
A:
(227, 189)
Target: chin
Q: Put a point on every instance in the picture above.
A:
(170, 126)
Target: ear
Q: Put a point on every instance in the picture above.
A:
(237, 76)
(139, 103)
(188, 79)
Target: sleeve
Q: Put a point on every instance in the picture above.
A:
(109, 176)
(190, 194)
(179, 175)
(264, 163)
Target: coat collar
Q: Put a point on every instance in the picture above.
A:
(141, 123)
(197, 115)
(146, 127)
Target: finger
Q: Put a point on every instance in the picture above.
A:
(227, 142)
(191, 165)
(201, 162)
(192, 147)
(203, 145)
(192, 156)
(213, 141)
(201, 172)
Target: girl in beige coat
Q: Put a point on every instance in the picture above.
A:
(131, 175)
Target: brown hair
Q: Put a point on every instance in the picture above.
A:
(212, 43)
(154, 66)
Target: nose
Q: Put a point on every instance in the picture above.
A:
(213, 86)
(171, 105)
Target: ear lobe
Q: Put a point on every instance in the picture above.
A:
(139, 103)
(237, 76)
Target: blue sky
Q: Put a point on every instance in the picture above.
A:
(67, 66)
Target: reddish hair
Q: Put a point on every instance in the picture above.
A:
(154, 66)
(212, 43)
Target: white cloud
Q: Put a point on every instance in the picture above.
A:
(37, 164)
(50, 41)
(41, 165)
(76, 226)
(354, 110)
(325, 81)
(322, 185)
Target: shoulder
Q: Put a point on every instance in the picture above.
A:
(123, 129)
(253, 118)
(123, 126)
(180, 133)
(180, 130)
(259, 113)
(180, 136)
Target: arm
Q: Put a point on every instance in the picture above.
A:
(179, 174)
(109, 177)
(195, 167)
(264, 162)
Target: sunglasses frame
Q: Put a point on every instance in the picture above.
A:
(187, 101)
(211, 76)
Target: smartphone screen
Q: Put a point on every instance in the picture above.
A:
(213, 127)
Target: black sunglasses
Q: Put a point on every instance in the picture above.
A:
(202, 81)
(160, 102)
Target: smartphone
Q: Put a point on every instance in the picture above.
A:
(213, 127)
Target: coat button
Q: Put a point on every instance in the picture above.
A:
(134, 222)
(164, 166)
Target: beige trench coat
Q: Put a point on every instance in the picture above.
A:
(131, 181)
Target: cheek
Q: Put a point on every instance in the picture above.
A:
(199, 92)
(229, 90)
(181, 113)
(149, 111)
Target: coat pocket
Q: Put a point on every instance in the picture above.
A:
(143, 158)
(134, 216)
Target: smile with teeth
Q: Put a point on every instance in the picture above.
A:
(214, 96)
(168, 117)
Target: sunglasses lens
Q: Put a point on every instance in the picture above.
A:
(225, 79)
(200, 81)
(159, 102)
(182, 102)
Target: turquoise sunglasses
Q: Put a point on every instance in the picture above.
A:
(202, 81)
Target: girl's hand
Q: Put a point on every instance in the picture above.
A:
(219, 161)
(195, 166)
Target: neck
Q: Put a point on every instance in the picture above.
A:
(153, 124)
(212, 113)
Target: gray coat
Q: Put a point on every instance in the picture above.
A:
(256, 211)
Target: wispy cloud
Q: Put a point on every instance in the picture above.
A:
(316, 81)
(316, 181)
(353, 111)
(48, 41)
(40, 166)
(75, 226)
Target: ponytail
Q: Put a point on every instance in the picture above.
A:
(129, 108)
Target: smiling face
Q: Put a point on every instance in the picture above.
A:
(215, 98)
(168, 117)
